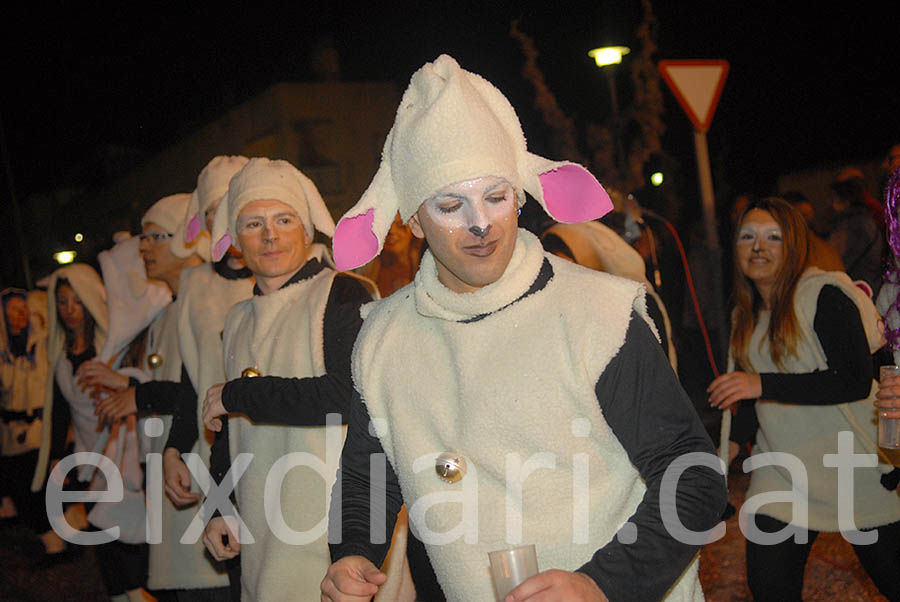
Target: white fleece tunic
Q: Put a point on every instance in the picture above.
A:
(174, 565)
(539, 357)
(810, 431)
(280, 334)
(23, 380)
(204, 300)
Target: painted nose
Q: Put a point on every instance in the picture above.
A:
(479, 231)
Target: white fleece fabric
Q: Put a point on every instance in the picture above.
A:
(203, 302)
(89, 287)
(809, 431)
(453, 126)
(280, 334)
(516, 386)
(263, 179)
(212, 184)
(174, 565)
(23, 379)
(168, 213)
(134, 301)
(599, 247)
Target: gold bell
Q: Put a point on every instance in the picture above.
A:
(450, 467)
(155, 360)
(250, 373)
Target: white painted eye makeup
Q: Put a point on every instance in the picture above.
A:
(471, 205)
(767, 234)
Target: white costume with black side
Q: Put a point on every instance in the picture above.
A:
(280, 334)
(87, 285)
(807, 432)
(174, 565)
(510, 374)
(204, 300)
(23, 379)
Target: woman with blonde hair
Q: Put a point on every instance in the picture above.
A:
(800, 346)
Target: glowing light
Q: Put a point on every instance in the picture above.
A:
(79, 237)
(64, 257)
(608, 55)
(656, 178)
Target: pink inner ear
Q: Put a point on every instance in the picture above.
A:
(193, 229)
(221, 247)
(354, 242)
(572, 194)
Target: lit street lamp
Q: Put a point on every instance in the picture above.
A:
(64, 257)
(610, 56)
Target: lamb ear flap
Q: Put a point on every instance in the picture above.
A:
(318, 213)
(568, 192)
(221, 237)
(355, 242)
(193, 227)
(360, 234)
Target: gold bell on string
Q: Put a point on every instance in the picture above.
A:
(450, 467)
(155, 360)
(250, 373)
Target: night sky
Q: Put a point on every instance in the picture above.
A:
(807, 87)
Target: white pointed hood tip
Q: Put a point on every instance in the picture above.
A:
(263, 178)
(453, 126)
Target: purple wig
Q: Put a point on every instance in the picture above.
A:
(891, 205)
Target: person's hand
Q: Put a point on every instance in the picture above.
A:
(217, 528)
(733, 450)
(177, 478)
(98, 377)
(351, 579)
(730, 388)
(887, 399)
(557, 586)
(213, 408)
(115, 406)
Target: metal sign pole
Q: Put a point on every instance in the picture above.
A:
(704, 173)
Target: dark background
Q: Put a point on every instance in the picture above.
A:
(809, 86)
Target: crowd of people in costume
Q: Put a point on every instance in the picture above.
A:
(288, 419)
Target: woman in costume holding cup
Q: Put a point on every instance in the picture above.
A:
(800, 346)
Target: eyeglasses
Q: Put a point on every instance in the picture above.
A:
(155, 237)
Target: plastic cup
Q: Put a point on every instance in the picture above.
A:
(888, 428)
(511, 567)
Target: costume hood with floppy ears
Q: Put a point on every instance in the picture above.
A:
(168, 213)
(263, 179)
(212, 184)
(453, 126)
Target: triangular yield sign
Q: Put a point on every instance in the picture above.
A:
(697, 85)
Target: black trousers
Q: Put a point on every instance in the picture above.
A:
(775, 572)
(123, 566)
(16, 473)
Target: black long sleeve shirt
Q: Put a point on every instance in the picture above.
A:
(654, 421)
(185, 428)
(164, 396)
(301, 401)
(849, 374)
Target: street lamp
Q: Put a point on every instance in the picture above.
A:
(64, 257)
(610, 56)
